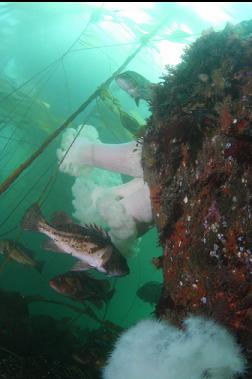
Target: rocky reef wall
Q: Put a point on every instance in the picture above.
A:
(197, 159)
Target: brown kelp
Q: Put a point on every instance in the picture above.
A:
(25, 109)
(12, 178)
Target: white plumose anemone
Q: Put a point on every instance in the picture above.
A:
(87, 151)
(156, 349)
(99, 195)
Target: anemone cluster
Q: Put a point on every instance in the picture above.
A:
(100, 196)
(157, 349)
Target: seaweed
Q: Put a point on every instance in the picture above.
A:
(39, 346)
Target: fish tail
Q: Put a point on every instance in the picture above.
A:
(32, 218)
(40, 266)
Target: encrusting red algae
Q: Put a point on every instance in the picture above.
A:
(197, 159)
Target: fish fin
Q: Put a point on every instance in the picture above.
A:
(40, 266)
(81, 266)
(97, 232)
(51, 245)
(137, 99)
(60, 218)
(32, 218)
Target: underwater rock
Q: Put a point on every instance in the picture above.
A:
(197, 161)
(95, 350)
(39, 346)
(41, 368)
(14, 320)
(10, 367)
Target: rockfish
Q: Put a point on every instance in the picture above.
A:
(90, 244)
(19, 253)
(81, 287)
(136, 85)
(150, 292)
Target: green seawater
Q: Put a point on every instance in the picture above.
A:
(53, 57)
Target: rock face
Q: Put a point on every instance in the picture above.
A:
(197, 159)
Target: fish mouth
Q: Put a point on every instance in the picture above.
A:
(114, 268)
(54, 286)
(119, 273)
